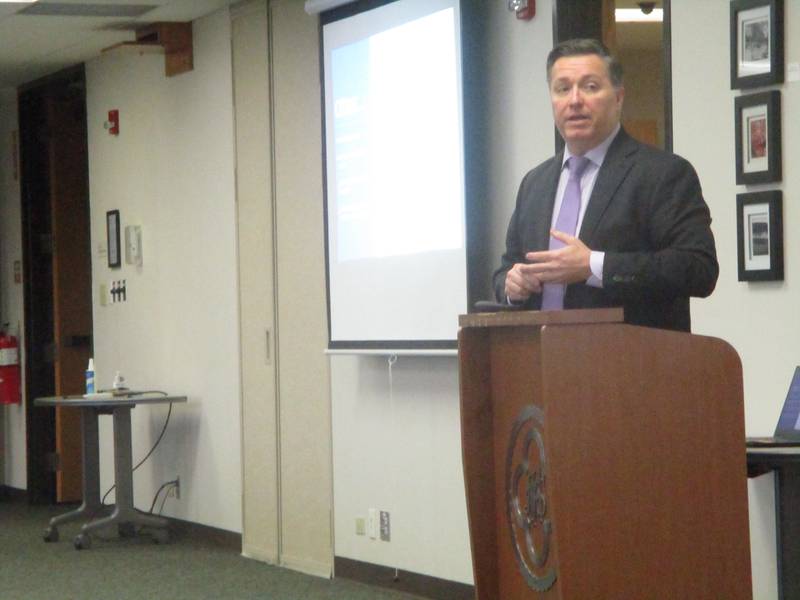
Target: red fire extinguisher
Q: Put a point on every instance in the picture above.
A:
(9, 369)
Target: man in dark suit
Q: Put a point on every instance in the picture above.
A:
(643, 237)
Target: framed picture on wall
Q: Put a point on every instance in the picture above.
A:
(759, 226)
(758, 138)
(112, 238)
(756, 43)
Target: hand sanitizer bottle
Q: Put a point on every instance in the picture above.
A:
(90, 377)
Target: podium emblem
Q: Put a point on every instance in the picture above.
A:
(526, 499)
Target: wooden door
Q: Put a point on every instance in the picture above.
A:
(57, 276)
(72, 299)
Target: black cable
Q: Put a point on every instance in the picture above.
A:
(173, 483)
(163, 502)
(155, 445)
(103, 501)
(160, 435)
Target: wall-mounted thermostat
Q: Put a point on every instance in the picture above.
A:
(133, 245)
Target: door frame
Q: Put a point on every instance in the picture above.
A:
(39, 293)
(582, 19)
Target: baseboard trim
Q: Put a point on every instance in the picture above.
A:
(260, 554)
(304, 565)
(219, 537)
(405, 581)
(11, 493)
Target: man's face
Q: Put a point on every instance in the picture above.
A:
(586, 106)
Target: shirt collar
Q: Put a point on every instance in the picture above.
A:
(597, 154)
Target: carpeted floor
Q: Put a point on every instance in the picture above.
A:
(191, 566)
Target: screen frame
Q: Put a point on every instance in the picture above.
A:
(468, 102)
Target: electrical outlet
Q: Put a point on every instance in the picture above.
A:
(361, 526)
(386, 529)
(372, 523)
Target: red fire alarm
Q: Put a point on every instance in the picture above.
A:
(113, 122)
(524, 9)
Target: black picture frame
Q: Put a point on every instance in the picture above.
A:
(759, 226)
(756, 43)
(112, 239)
(758, 138)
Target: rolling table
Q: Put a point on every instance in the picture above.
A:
(123, 515)
(786, 464)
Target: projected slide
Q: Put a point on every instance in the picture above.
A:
(396, 141)
(395, 217)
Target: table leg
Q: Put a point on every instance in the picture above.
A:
(787, 530)
(91, 505)
(124, 516)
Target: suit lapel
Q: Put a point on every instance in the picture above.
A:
(543, 216)
(613, 171)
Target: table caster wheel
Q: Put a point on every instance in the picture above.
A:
(82, 542)
(51, 534)
(126, 530)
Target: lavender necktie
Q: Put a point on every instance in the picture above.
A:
(553, 293)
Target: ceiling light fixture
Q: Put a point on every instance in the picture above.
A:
(634, 15)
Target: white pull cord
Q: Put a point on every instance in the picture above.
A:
(391, 360)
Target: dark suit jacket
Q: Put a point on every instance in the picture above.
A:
(647, 214)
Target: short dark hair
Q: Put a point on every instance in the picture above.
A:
(580, 47)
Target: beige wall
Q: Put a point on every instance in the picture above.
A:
(520, 125)
(758, 319)
(171, 171)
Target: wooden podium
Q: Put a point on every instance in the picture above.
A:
(602, 460)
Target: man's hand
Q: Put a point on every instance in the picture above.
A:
(569, 264)
(521, 283)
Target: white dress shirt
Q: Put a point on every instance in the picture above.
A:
(596, 157)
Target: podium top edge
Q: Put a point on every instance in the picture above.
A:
(536, 318)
